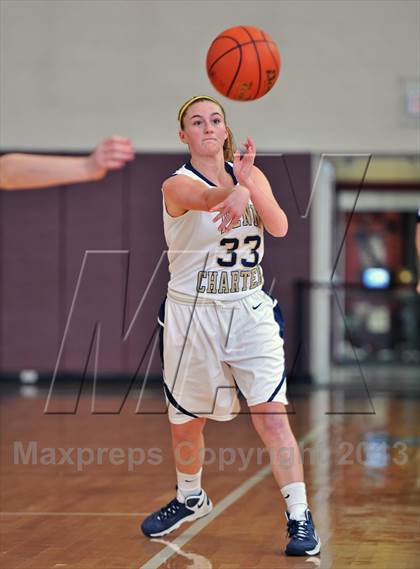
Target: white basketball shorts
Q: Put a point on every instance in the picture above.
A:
(212, 349)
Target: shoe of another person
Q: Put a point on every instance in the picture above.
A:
(303, 537)
(171, 516)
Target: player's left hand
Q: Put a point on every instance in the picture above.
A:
(242, 167)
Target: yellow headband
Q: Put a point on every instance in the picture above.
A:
(193, 100)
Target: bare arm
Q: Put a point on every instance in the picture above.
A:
(183, 194)
(271, 214)
(30, 171)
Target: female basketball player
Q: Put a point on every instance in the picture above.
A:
(221, 331)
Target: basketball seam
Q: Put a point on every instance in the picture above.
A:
(272, 54)
(237, 71)
(226, 52)
(259, 62)
(235, 47)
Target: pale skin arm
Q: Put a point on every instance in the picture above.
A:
(248, 175)
(418, 254)
(32, 171)
(185, 194)
(273, 217)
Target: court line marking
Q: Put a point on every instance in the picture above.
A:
(74, 513)
(167, 552)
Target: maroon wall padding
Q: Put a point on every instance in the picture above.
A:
(30, 278)
(288, 259)
(44, 238)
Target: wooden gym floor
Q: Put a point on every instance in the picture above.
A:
(362, 472)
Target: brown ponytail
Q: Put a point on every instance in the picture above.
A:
(229, 146)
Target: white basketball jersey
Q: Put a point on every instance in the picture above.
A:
(204, 262)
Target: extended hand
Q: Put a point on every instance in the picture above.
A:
(112, 153)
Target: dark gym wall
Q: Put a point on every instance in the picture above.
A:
(44, 236)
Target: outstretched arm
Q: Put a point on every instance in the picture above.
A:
(30, 171)
(185, 194)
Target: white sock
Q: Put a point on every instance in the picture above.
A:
(188, 484)
(295, 497)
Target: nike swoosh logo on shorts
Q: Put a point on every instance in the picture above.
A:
(255, 307)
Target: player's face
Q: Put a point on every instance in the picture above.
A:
(204, 128)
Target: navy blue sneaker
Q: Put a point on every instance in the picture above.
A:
(171, 516)
(303, 537)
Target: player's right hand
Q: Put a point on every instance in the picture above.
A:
(418, 286)
(231, 209)
(113, 153)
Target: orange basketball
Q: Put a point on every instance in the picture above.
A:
(243, 63)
